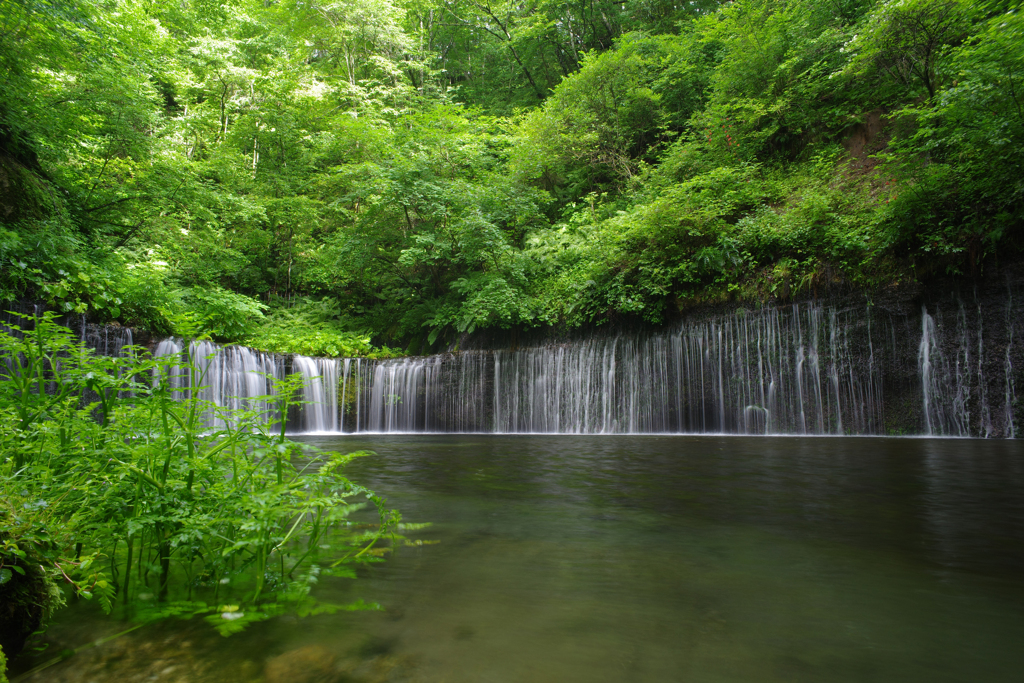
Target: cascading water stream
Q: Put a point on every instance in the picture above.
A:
(320, 390)
(796, 370)
(235, 377)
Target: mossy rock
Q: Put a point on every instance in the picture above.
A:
(26, 603)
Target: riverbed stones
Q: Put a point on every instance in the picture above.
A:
(309, 664)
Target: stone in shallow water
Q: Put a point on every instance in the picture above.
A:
(309, 664)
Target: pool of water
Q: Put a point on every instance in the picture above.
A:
(648, 558)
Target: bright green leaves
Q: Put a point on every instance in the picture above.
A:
(83, 288)
(435, 209)
(752, 196)
(962, 152)
(504, 55)
(311, 328)
(166, 495)
(223, 314)
(487, 300)
(602, 122)
(361, 40)
(173, 164)
(630, 261)
(770, 82)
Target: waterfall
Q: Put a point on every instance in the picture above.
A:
(320, 392)
(957, 388)
(106, 340)
(929, 385)
(234, 377)
(949, 370)
(801, 369)
(773, 371)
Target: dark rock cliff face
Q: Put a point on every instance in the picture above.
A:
(972, 335)
(959, 365)
(107, 340)
(943, 359)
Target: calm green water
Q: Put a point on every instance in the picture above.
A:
(676, 558)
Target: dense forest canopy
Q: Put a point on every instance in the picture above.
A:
(311, 176)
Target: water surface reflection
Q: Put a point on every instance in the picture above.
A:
(676, 558)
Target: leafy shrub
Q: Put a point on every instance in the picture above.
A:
(318, 339)
(132, 288)
(129, 492)
(620, 108)
(310, 328)
(218, 313)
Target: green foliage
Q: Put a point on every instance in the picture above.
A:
(615, 113)
(29, 584)
(961, 157)
(134, 495)
(910, 40)
(310, 328)
(221, 314)
(436, 168)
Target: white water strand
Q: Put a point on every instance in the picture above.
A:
(107, 340)
(444, 393)
(176, 376)
(986, 412)
(320, 377)
(955, 387)
(960, 413)
(393, 400)
(929, 383)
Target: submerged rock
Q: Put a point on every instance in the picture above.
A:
(309, 664)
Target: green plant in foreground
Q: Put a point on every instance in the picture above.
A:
(124, 491)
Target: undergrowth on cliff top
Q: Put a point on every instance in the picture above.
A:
(153, 501)
(309, 327)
